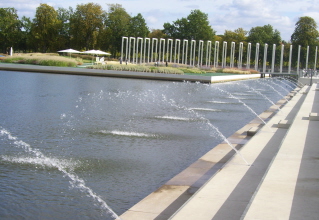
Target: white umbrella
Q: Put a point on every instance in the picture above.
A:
(97, 52)
(69, 51)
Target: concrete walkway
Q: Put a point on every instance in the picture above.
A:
(282, 180)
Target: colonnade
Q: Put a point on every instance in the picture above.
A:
(161, 50)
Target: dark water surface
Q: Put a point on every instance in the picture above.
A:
(72, 145)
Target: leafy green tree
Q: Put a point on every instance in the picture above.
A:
(195, 26)
(24, 44)
(305, 34)
(45, 28)
(64, 15)
(237, 36)
(10, 29)
(137, 27)
(85, 25)
(156, 33)
(116, 25)
(177, 30)
(265, 34)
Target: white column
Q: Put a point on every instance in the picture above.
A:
(248, 55)
(126, 48)
(265, 58)
(307, 57)
(282, 57)
(290, 55)
(208, 52)
(192, 53)
(298, 59)
(232, 54)
(185, 49)
(240, 55)
(257, 56)
(141, 52)
(224, 55)
(200, 52)
(167, 51)
(160, 52)
(216, 52)
(273, 58)
(148, 49)
(177, 42)
(134, 39)
(153, 42)
(315, 66)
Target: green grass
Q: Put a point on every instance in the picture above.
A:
(138, 68)
(43, 60)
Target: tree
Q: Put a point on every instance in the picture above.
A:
(305, 34)
(137, 27)
(64, 15)
(116, 25)
(10, 29)
(45, 28)
(85, 25)
(156, 33)
(26, 38)
(237, 36)
(194, 27)
(265, 34)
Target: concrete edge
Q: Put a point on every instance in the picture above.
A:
(124, 74)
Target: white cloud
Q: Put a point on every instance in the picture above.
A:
(223, 14)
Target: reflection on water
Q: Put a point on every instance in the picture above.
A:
(119, 138)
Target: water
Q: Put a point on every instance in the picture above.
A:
(262, 82)
(244, 104)
(78, 147)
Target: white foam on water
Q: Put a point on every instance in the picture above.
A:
(220, 102)
(175, 118)
(44, 162)
(206, 109)
(75, 181)
(127, 133)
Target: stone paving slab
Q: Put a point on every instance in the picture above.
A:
(292, 180)
(228, 193)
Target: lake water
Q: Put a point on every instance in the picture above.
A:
(76, 147)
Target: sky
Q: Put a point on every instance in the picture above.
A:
(222, 14)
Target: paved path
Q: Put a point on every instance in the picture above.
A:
(282, 181)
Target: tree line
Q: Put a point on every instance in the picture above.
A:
(88, 26)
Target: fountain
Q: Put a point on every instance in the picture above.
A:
(264, 96)
(75, 181)
(250, 109)
(115, 140)
(262, 83)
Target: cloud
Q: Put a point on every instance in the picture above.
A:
(223, 15)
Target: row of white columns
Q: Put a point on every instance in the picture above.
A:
(157, 50)
(139, 46)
